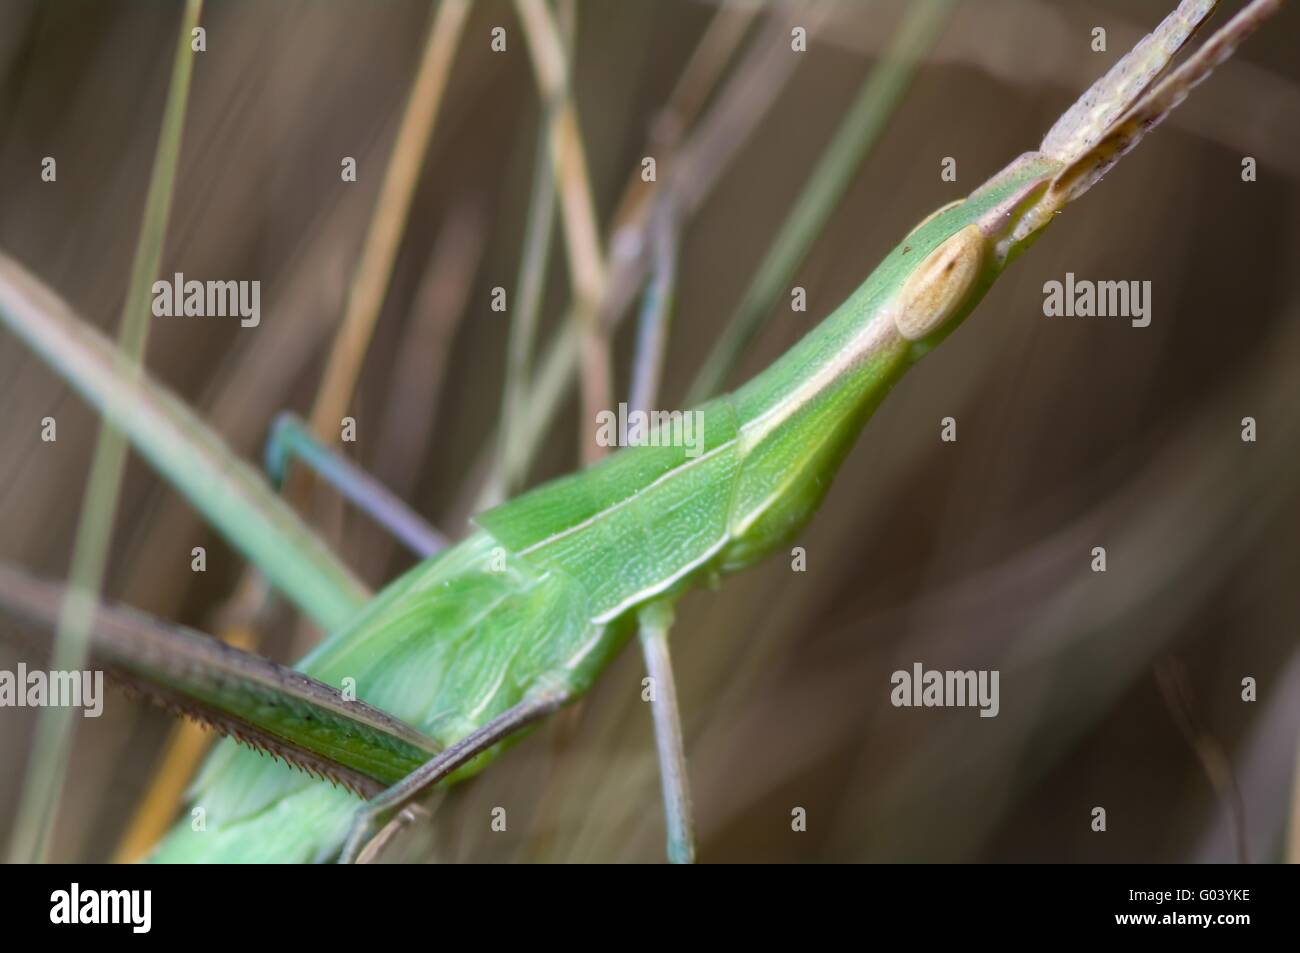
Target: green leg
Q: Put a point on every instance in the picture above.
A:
(291, 439)
(419, 781)
(655, 621)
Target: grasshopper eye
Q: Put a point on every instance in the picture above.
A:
(941, 284)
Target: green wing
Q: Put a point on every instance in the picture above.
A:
(635, 523)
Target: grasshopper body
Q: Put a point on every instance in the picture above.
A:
(546, 591)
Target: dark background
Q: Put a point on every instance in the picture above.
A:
(1120, 690)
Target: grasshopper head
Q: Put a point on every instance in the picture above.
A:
(968, 242)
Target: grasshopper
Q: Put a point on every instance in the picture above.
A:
(484, 638)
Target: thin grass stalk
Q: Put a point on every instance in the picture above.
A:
(749, 92)
(192, 457)
(52, 745)
(1215, 761)
(187, 744)
(694, 88)
(439, 307)
(858, 132)
(511, 463)
(523, 325)
(578, 214)
(392, 210)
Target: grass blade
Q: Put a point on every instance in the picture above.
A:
(54, 728)
(232, 495)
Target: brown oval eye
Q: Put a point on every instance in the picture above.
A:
(941, 284)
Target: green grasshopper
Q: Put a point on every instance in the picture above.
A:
(483, 639)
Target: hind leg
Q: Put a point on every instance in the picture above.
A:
(397, 798)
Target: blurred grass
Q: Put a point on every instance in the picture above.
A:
(392, 209)
(862, 125)
(47, 767)
(586, 260)
(1072, 434)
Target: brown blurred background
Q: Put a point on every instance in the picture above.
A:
(1119, 689)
